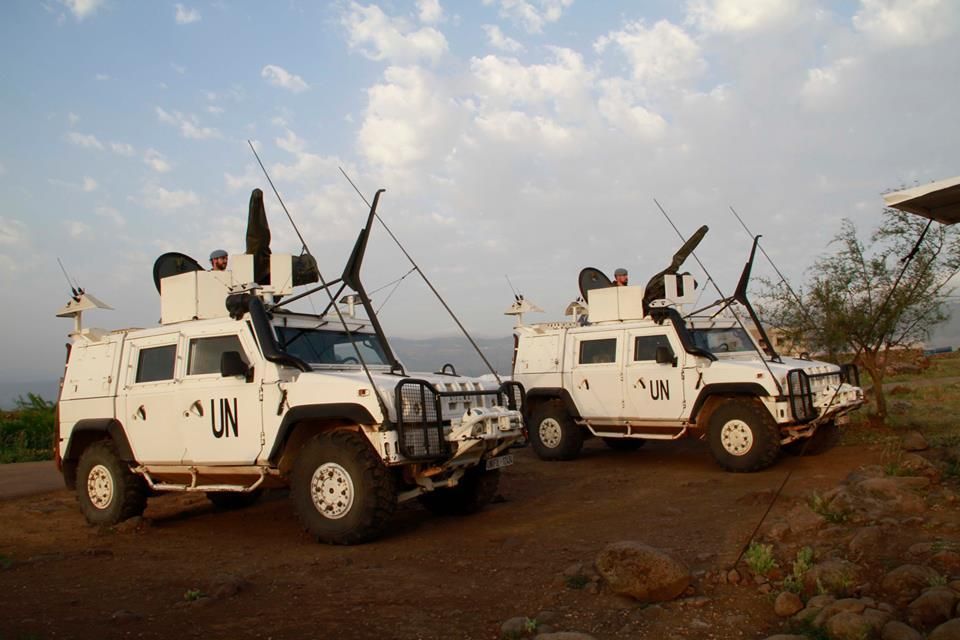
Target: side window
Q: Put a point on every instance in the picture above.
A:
(204, 353)
(645, 347)
(598, 351)
(156, 363)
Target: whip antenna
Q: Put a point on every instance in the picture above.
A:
(428, 283)
(277, 193)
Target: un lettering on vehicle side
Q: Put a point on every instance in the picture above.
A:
(228, 418)
(660, 389)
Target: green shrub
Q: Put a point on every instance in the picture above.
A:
(760, 558)
(27, 432)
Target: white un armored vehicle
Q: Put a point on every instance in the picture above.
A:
(233, 394)
(632, 367)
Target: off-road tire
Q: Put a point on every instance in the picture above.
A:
(624, 444)
(107, 490)
(743, 436)
(230, 500)
(823, 439)
(553, 433)
(475, 490)
(341, 491)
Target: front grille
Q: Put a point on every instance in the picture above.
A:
(801, 395)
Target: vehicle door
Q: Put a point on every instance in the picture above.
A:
(596, 373)
(652, 390)
(220, 416)
(148, 407)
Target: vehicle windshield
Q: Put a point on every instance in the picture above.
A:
(325, 346)
(725, 340)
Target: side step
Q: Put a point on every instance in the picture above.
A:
(195, 486)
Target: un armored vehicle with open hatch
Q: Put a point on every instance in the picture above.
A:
(632, 366)
(233, 393)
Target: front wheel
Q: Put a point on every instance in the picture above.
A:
(553, 433)
(340, 489)
(475, 490)
(108, 492)
(743, 436)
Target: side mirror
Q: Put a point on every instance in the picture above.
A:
(665, 356)
(232, 364)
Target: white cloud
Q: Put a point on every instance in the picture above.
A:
(89, 184)
(77, 229)
(619, 106)
(101, 77)
(12, 232)
(907, 22)
(189, 125)
(532, 16)
(663, 54)
(82, 9)
(497, 39)
(185, 15)
(122, 149)
(565, 80)
(731, 16)
(86, 140)
(429, 11)
(280, 77)
(73, 118)
(111, 214)
(156, 161)
(291, 143)
(380, 37)
(179, 68)
(215, 110)
(825, 85)
(156, 197)
(406, 115)
(520, 127)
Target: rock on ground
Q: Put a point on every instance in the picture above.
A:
(895, 630)
(642, 572)
(933, 606)
(949, 630)
(787, 604)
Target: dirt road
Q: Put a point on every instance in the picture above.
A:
(429, 577)
(28, 478)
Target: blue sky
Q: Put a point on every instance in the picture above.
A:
(514, 137)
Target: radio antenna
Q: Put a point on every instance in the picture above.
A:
(463, 329)
(516, 296)
(74, 288)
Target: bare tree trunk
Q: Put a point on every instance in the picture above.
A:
(876, 370)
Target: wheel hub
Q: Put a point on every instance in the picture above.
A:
(100, 487)
(550, 433)
(331, 489)
(736, 437)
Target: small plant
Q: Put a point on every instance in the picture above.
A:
(820, 505)
(530, 626)
(5, 562)
(937, 581)
(760, 558)
(578, 581)
(806, 628)
(192, 595)
(802, 564)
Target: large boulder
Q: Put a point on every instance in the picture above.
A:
(932, 607)
(642, 572)
(896, 630)
(848, 625)
(834, 575)
(949, 630)
(905, 583)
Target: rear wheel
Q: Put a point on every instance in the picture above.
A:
(108, 492)
(553, 433)
(743, 436)
(624, 444)
(475, 490)
(340, 489)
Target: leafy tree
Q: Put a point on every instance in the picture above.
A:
(844, 305)
(26, 433)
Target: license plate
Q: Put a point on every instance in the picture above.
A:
(500, 461)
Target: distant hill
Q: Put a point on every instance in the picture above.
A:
(10, 391)
(948, 333)
(416, 355)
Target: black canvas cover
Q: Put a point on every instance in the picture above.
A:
(171, 264)
(258, 238)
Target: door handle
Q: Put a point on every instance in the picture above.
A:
(196, 407)
(585, 384)
(640, 383)
(141, 411)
